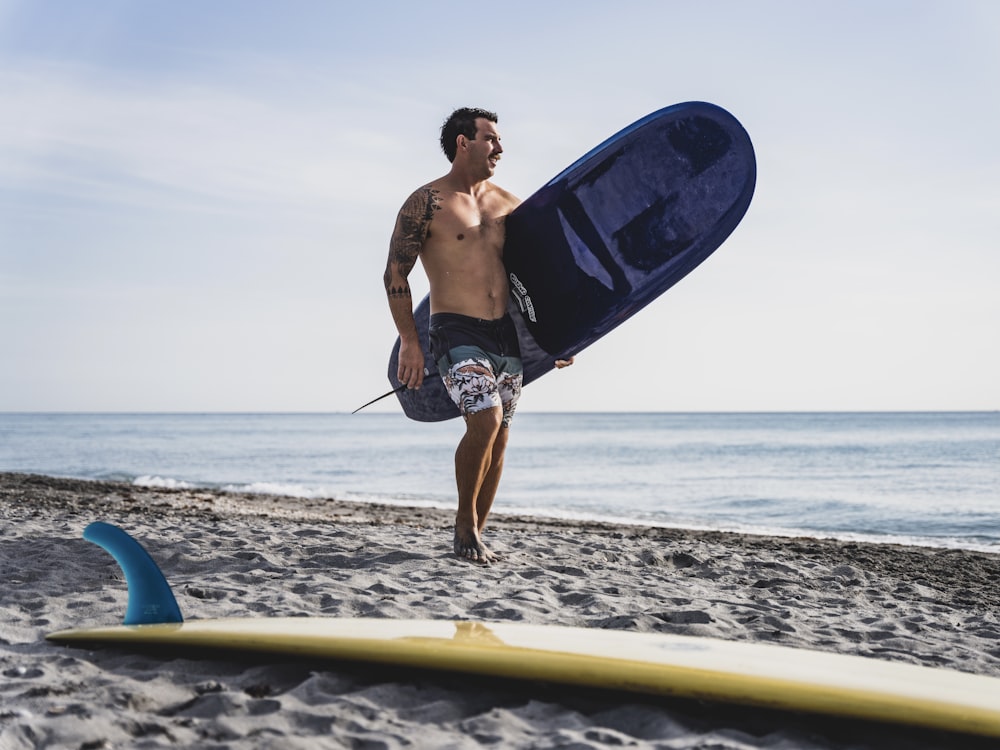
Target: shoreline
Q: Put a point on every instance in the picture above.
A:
(281, 502)
(231, 554)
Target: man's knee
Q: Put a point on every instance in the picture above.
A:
(486, 421)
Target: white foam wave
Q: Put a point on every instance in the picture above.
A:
(162, 483)
(692, 524)
(279, 488)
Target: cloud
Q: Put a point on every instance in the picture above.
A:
(177, 145)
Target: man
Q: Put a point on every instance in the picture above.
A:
(455, 225)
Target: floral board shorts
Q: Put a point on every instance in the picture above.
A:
(479, 361)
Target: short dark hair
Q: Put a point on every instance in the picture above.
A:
(462, 122)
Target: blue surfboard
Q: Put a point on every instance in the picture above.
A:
(608, 235)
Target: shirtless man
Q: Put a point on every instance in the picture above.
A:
(455, 225)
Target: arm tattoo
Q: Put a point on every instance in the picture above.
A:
(398, 292)
(412, 228)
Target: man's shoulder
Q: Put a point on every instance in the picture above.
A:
(504, 197)
(425, 191)
(424, 199)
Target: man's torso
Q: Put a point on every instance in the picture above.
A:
(463, 252)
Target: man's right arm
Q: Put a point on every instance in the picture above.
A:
(411, 230)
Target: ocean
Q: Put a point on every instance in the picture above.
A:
(911, 478)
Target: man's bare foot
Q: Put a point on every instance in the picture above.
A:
(470, 547)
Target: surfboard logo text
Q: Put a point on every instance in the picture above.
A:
(523, 298)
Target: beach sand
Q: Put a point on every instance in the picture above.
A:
(253, 555)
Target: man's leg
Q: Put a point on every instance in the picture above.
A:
(491, 482)
(473, 465)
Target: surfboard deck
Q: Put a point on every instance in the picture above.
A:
(764, 675)
(608, 235)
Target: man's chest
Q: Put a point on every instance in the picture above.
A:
(462, 219)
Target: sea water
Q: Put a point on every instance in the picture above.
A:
(915, 478)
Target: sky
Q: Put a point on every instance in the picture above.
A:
(196, 197)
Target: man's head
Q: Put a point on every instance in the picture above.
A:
(462, 122)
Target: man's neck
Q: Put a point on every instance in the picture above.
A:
(462, 181)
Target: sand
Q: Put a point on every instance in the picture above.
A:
(251, 555)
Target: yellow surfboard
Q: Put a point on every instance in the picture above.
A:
(751, 674)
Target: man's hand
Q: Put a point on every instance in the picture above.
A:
(561, 363)
(411, 364)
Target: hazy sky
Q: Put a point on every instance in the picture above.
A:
(196, 197)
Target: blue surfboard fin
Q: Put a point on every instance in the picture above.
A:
(150, 599)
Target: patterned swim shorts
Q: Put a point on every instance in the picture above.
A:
(479, 361)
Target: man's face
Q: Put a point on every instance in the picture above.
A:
(485, 149)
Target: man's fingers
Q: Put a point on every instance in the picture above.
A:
(412, 379)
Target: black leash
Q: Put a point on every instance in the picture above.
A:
(386, 395)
